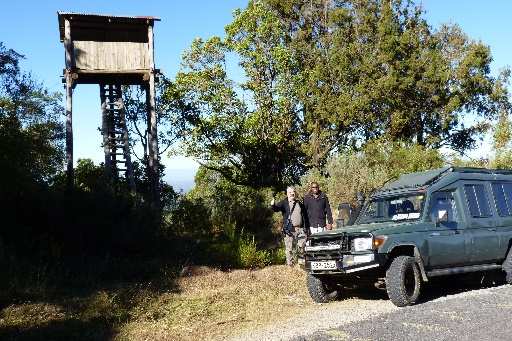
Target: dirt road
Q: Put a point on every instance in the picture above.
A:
(447, 312)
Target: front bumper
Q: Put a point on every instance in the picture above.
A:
(345, 263)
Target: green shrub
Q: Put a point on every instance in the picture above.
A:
(249, 256)
(226, 208)
(278, 255)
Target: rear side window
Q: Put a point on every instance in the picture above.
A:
(502, 193)
(477, 201)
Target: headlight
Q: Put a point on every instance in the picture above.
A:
(363, 244)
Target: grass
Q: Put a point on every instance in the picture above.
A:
(203, 303)
(214, 304)
(42, 303)
(96, 315)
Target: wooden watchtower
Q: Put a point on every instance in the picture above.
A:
(111, 51)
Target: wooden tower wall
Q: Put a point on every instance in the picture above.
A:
(110, 56)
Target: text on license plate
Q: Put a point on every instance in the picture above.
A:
(324, 265)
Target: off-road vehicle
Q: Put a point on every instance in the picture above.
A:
(439, 222)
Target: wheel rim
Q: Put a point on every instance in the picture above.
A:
(409, 281)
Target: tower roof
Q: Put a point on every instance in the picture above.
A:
(102, 19)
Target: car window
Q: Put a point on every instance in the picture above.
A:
(502, 193)
(395, 208)
(444, 209)
(477, 201)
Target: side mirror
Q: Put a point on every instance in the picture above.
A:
(442, 216)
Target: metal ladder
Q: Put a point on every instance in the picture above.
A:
(116, 143)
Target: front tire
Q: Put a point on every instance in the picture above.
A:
(403, 281)
(321, 289)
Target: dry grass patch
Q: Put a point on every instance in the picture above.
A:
(30, 314)
(214, 304)
(204, 304)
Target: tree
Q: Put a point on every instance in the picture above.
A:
(502, 138)
(502, 132)
(31, 134)
(135, 103)
(376, 68)
(251, 141)
(368, 169)
(325, 76)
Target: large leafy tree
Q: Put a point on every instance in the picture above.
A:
(249, 133)
(429, 81)
(31, 132)
(376, 68)
(320, 76)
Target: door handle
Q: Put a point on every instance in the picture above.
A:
(493, 229)
(435, 234)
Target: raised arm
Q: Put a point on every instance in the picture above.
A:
(277, 207)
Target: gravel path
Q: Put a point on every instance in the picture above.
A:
(321, 317)
(477, 315)
(481, 314)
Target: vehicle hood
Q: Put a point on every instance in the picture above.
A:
(389, 227)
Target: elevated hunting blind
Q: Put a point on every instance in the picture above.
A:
(111, 51)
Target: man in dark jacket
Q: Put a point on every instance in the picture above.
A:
(294, 223)
(318, 209)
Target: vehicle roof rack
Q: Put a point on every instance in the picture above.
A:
(418, 180)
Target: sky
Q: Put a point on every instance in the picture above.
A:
(30, 27)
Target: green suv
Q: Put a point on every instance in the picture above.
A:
(439, 222)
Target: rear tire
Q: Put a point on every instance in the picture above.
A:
(403, 281)
(507, 267)
(321, 289)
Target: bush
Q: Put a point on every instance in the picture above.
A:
(278, 255)
(231, 208)
(249, 256)
(221, 223)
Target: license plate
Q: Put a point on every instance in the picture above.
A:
(324, 265)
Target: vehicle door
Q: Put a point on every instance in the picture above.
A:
(481, 223)
(502, 195)
(447, 240)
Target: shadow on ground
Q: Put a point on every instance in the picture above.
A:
(436, 287)
(92, 309)
(452, 285)
(68, 329)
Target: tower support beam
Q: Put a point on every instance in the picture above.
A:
(152, 125)
(69, 103)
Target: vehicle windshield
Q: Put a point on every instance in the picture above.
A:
(405, 207)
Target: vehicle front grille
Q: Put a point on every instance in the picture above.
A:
(339, 239)
(328, 247)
